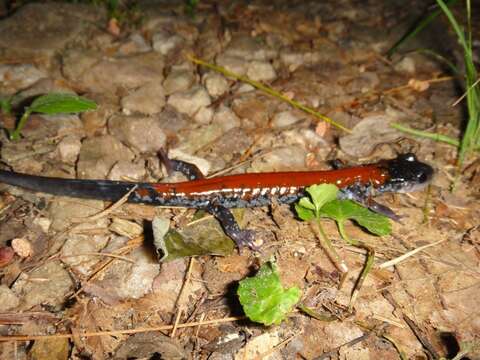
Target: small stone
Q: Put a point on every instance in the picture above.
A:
(99, 154)
(79, 251)
(204, 115)
(126, 228)
(127, 280)
(147, 99)
(43, 222)
(215, 83)
(163, 42)
(284, 118)
(8, 299)
(136, 43)
(234, 64)
(125, 170)
(249, 48)
(22, 247)
(226, 118)
(62, 210)
(281, 159)
(69, 148)
(143, 133)
(97, 73)
(406, 65)
(261, 71)
(190, 101)
(178, 80)
(17, 77)
(292, 59)
(47, 285)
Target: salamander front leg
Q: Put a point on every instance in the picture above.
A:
(362, 197)
(230, 226)
(191, 171)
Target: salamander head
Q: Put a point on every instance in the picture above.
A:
(406, 174)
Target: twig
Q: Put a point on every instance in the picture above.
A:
(107, 211)
(408, 254)
(118, 332)
(332, 352)
(180, 297)
(268, 90)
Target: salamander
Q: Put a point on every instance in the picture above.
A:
(218, 194)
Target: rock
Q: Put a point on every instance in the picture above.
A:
(69, 148)
(234, 64)
(281, 159)
(190, 101)
(169, 282)
(285, 118)
(62, 210)
(126, 280)
(94, 72)
(164, 43)
(77, 250)
(45, 28)
(99, 154)
(141, 132)
(135, 44)
(204, 115)
(368, 134)
(126, 228)
(226, 118)
(178, 80)
(406, 65)
(249, 48)
(215, 83)
(126, 170)
(261, 71)
(147, 99)
(94, 121)
(17, 77)
(8, 299)
(47, 285)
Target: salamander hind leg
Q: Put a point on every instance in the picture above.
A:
(191, 171)
(230, 226)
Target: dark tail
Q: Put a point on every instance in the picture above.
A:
(89, 189)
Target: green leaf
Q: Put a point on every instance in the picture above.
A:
(321, 194)
(58, 103)
(308, 208)
(341, 210)
(263, 297)
(304, 213)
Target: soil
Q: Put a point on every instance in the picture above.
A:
(91, 279)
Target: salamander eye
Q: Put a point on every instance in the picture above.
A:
(422, 177)
(409, 157)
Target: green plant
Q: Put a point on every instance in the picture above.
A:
(470, 141)
(52, 104)
(191, 7)
(263, 298)
(322, 202)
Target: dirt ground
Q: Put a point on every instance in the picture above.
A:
(82, 279)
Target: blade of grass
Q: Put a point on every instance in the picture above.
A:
(412, 32)
(472, 132)
(268, 90)
(426, 134)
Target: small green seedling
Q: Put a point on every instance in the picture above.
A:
(52, 104)
(322, 202)
(6, 105)
(263, 298)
